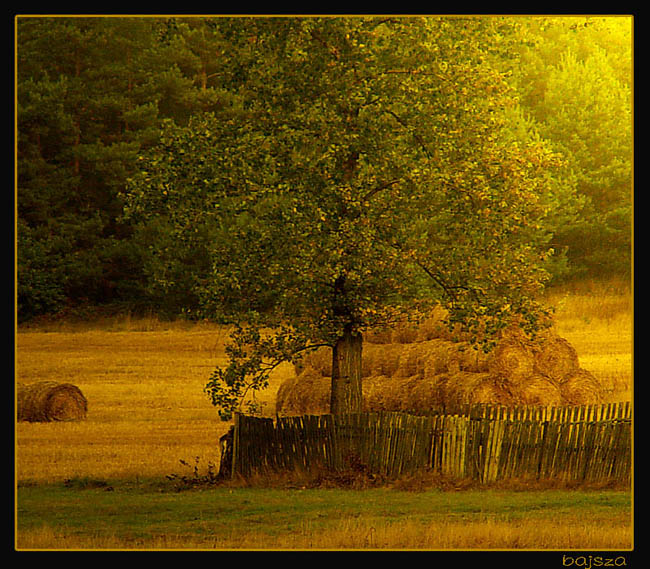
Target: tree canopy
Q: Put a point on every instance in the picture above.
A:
(92, 93)
(319, 175)
(574, 81)
(351, 183)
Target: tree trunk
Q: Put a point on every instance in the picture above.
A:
(346, 374)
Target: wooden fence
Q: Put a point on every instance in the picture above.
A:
(482, 442)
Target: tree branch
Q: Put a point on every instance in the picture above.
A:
(379, 189)
(449, 290)
(437, 278)
(417, 137)
(331, 49)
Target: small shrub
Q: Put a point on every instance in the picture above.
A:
(195, 479)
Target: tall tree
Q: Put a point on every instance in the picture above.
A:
(360, 174)
(91, 94)
(574, 75)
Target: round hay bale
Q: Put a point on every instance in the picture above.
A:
(512, 360)
(404, 394)
(472, 358)
(430, 373)
(46, 401)
(451, 357)
(431, 368)
(433, 357)
(420, 395)
(556, 359)
(284, 398)
(424, 395)
(384, 360)
(378, 336)
(383, 393)
(539, 390)
(463, 388)
(491, 390)
(581, 388)
(405, 334)
(411, 361)
(377, 395)
(319, 359)
(308, 393)
(373, 356)
(439, 358)
(434, 326)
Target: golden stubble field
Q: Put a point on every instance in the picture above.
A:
(144, 381)
(146, 405)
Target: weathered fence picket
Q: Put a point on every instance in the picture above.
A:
(485, 443)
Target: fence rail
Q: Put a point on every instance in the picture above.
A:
(481, 442)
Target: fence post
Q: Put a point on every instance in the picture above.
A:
(235, 445)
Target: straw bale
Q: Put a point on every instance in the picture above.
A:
(376, 393)
(382, 359)
(379, 359)
(411, 361)
(407, 394)
(463, 388)
(581, 388)
(451, 357)
(429, 357)
(283, 398)
(308, 393)
(383, 393)
(401, 333)
(378, 336)
(539, 390)
(438, 357)
(434, 325)
(472, 359)
(437, 372)
(491, 390)
(556, 359)
(426, 358)
(405, 334)
(319, 359)
(512, 359)
(376, 359)
(50, 401)
(424, 395)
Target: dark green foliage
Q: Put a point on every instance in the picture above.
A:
(258, 118)
(91, 95)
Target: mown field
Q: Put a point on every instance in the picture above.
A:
(110, 481)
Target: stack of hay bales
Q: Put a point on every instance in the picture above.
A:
(424, 368)
(47, 401)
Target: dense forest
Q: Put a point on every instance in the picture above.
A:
(103, 103)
